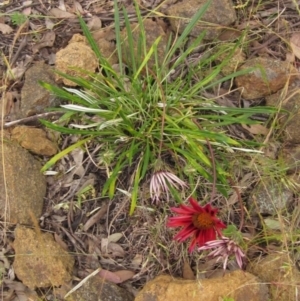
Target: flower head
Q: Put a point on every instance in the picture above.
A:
(159, 184)
(223, 249)
(199, 223)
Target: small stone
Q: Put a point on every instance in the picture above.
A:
(237, 58)
(105, 40)
(153, 30)
(96, 288)
(77, 55)
(22, 186)
(39, 260)
(279, 271)
(35, 98)
(34, 140)
(235, 285)
(289, 155)
(269, 76)
(219, 14)
(269, 198)
(290, 103)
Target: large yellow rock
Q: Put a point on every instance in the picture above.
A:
(77, 59)
(238, 285)
(39, 260)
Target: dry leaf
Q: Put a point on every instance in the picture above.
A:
(273, 224)
(95, 218)
(115, 250)
(136, 261)
(114, 237)
(111, 248)
(187, 272)
(94, 23)
(78, 7)
(49, 24)
(110, 276)
(58, 13)
(124, 275)
(62, 5)
(5, 29)
(256, 129)
(295, 44)
(290, 57)
(27, 11)
(47, 41)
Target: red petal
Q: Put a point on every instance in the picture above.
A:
(195, 205)
(193, 244)
(185, 210)
(210, 235)
(184, 218)
(212, 211)
(178, 221)
(184, 233)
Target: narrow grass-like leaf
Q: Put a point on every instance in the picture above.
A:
(146, 160)
(61, 93)
(147, 57)
(136, 182)
(78, 108)
(110, 184)
(61, 154)
(118, 34)
(180, 41)
(133, 55)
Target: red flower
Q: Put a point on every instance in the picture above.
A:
(198, 222)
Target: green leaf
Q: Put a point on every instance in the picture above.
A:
(61, 154)
(134, 194)
(146, 159)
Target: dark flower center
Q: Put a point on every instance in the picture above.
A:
(203, 221)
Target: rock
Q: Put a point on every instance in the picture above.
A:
(280, 273)
(238, 285)
(289, 155)
(104, 39)
(22, 186)
(153, 30)
(291, 103)
(96, 288)
(35, 98)
(237, 58)
(269, 76)
(269, 198)
(39, 260)
(76, 55)
(34, 140)
(219, 14)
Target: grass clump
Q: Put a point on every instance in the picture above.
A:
(145, 120)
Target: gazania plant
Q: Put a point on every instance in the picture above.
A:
(201, 225)
(198, 223)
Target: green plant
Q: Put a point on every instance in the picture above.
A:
(146, 122)
(18, 18)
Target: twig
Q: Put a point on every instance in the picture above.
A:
(31, 118)
(240, 202)
(20, 48)
(22, 7)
